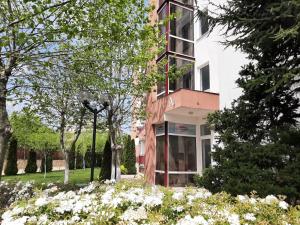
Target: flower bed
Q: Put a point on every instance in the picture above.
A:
(133, 203)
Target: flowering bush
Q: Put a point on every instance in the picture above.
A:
(133, 203)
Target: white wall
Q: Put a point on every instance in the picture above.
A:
(224, 63)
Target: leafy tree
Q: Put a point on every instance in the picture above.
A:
(29, 34)
(47, 165)
(129, 155)
(31, 166)
(105, 172)
(117, 63)
(255, 149)
(12, 160)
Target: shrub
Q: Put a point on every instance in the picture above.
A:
(129, 159)
(49, 163)
(123, 169)
(72, 156)
(105, 172)
(31, 166)
(12, 165)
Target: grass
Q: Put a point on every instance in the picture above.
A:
(80, 176)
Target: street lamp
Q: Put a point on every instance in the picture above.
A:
(95, 111)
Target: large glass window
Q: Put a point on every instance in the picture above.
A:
(182, 23)
(182, 154)
(205, 78)
(160, 153)
(203, 22)
(181, 180)
(186, 2)
(184, 69)
(181, 46)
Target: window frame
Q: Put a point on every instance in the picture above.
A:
(200, 75)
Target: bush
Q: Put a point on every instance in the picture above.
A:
(272, 168)
(12, 165)
(31, 166)
(72, 156)
(105, 172)
(79, 160)
(87, 159)
(49, 163)
(129, 159)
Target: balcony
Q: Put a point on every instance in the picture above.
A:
(184, 102)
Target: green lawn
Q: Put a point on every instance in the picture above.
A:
(76, 177)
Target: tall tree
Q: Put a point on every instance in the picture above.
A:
(12, 159)
(116, 63)
(29, 34)
(256, 150)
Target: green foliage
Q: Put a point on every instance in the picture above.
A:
(123, 169)
(31, 166)
(49, 163)
(258, 141)
(12, 165)
(129, 155)
(105, 173)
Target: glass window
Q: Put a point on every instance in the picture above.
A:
(159, 178)
(186, 2)
(206, 152)
(142, 150)
(161, 86)
(204, 130)
(182, 153)
(184, 69)
(160, 152)
(182, 23)
(160, 129)
(205, 78)
(182, 129)
(203, 22)
(181, 47)
(181, 180)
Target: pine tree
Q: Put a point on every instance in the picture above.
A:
(11, 165)
(105, 172)
(255, 149)
(31, 166)
(129, 155)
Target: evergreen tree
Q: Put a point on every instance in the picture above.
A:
(11, 165)
(105, 172)
(72, 159)
(31, 166)
(258, 138)
(129, 155)
(49, 163)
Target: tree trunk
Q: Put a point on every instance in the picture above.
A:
(5, 128)
(67, 170)
(45, 164)
(115, 151)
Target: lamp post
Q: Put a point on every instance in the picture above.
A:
(95, 111)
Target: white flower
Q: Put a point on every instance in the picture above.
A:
(188, 220)
(233, 219)
(41, 201)
(270, 199)
(42, 219)
(242, 198)
(249, 217)
(283, 205)
(178, 208)
(132, 215)
(177, 196)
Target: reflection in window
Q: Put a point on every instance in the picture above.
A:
(203, 22)
(206, 152)
(184, 69)
(181, 180)
(182, 153)
(181, 47)
(205, 78)
(204, 130)
(159, 178)
(160, 152)
(182, 23)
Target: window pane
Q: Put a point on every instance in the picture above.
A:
(204, 22)
(206, 153)
(205, 79)
(160, 152)
(182, 23)
(182, 153)
(160, 129)
(159, 178)
(181, 47)
(161, 86)
(184, 69)
(180, 180)
(204, 130)
(186, 2)
(182, 129)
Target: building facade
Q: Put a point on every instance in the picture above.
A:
(174, 143)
